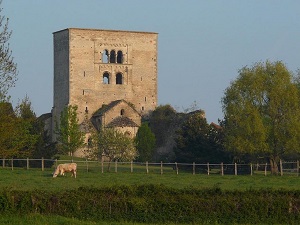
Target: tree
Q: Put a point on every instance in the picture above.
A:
(145, 143)
(113, 145)
(16, 138)
(197, 141)
(262, 113)
(70, 137)
(8, 69)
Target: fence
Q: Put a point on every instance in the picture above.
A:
(285, 168)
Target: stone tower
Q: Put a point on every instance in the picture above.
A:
(93, 68)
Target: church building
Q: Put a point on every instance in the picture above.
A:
(111, 75)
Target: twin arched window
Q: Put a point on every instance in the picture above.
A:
(112, 56)
(106, 78)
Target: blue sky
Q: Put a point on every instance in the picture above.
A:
(202, 44)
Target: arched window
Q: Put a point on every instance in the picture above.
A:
(112, 56)
(120, 57)
(105, 56)
(119, 78)
(106, 78)
(122, 112)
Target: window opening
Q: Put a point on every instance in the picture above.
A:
(120, 57)
(106, 78)
(119, 78)
(122, 112)
(145, 99)
(143, 108)
(112, 58)
(82, 92)
(86, 109)
(105, 56)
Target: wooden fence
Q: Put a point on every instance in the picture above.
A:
(285, 168)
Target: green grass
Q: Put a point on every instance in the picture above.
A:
(22, 179)
(38, 219)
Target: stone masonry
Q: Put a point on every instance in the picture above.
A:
(93, 68)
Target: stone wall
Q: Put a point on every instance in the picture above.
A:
(83, 76)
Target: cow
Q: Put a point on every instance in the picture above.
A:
(66, 167)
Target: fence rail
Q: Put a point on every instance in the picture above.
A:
(285, 168)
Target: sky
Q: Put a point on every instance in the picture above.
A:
(201, 43)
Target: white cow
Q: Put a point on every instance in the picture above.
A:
(66, 167)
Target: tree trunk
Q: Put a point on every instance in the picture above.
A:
(274, 165)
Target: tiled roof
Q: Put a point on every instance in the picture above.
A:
(105, 108)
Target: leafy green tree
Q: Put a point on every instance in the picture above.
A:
(262, 113)
(145, 143)
(16, 138)
(113, 145)
(161, 122)
(8, 68)
(70, 137)
(197, 141)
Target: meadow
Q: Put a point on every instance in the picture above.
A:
(31, 179)
(92, 176)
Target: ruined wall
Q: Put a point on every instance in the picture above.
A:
(93, 78)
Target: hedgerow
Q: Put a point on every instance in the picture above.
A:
(158, 204)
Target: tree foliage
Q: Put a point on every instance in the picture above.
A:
(145, 143)
(8, 68)
(197, 141)
(113, 145)
(261, 109)
(16, 136)
(70, 137)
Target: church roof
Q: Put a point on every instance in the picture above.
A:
(106, 108)
(122, 121)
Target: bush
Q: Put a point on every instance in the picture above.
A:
(158, 204)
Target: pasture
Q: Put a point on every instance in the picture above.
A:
(93, 176)
(32, 178)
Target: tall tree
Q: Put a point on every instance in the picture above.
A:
(197, 141)
(145, 143)
(70, 137)
(16, 138)
(262, 112)
(8, 68)
(113, 145)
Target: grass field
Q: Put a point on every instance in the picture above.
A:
(92, 176)
(23, 179)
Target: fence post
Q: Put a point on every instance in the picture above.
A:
(297, 167)
(161, 167)
(87, 165)
(147, 168)
(43, 164)
(12, 164)
(208, 169)
(55, 162)
(131, 166)
(116, 166)
(176, 166)
(222, 169)
(235, 169)
(102, 169)
(3, 163)
(251, 169)
(281, 169)
(27, 163)
(194, 168)
(266, 169)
